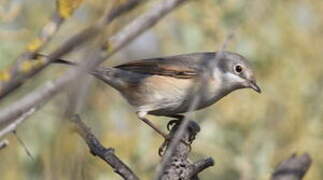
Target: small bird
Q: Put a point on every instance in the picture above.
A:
(164, 86)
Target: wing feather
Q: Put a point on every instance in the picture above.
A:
(180, 66)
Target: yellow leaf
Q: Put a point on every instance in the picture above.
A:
(29, 65)
(26, 66)
(35, 45)
(66, 8)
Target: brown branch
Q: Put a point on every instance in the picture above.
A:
(179, 166)
(294, 168)
(106, 154)
(200, 165)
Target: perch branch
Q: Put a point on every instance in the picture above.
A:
(294, 168)
(106, 154)
(179, 166)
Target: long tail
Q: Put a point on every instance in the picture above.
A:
(58, 61)
(109, 75)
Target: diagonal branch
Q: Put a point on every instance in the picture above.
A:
(13, 125)
(106, 154)
(26, 68)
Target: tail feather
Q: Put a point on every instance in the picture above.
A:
(115, 77)
(58, 61)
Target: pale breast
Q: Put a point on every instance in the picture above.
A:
(157, 92)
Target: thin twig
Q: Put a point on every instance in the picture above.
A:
(26, 149)
(12, 126)
(293, 168)
(106, 154)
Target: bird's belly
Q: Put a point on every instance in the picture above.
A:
(159, 95)
(189, 104)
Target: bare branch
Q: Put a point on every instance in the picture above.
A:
(106, 154)
(141, 24)
(200, 165)
(294, 168)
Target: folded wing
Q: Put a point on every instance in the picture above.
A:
(181, 66)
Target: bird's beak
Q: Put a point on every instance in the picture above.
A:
(253, 85)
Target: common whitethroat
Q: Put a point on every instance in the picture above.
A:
(163, 86)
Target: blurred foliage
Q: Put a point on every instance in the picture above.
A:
(246, 133)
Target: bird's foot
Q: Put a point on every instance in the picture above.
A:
(172, 126)
(172, 123)
(177, 121)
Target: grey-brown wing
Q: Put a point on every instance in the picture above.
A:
(180, 66)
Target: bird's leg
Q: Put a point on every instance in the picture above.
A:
(141, 115)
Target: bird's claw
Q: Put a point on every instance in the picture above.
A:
(172, 123)
(192, 127)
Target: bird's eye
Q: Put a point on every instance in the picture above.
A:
(238, 68)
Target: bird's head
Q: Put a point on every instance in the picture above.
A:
(236, 71)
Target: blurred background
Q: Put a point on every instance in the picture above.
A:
(246, 133)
